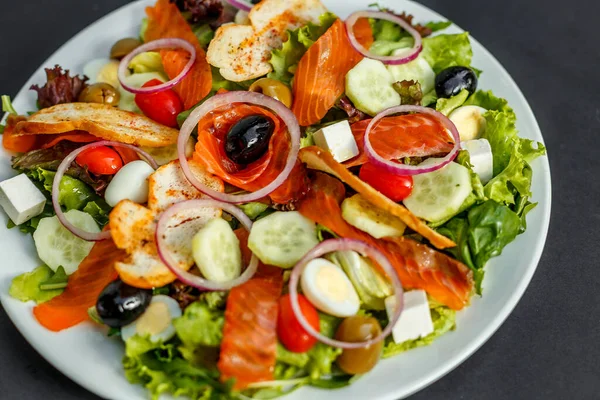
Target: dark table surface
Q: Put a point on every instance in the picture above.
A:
(548, 348)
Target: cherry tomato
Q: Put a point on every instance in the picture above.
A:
(396, 187)
(163, 107)
(100, 160)
(289, 330)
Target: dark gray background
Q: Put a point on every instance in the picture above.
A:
(548, 348)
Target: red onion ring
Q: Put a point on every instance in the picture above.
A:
(195, 280)
(402, 169)
(156, 45)
(225, 99)
(391, 60)
(332, 245)
(240, 4)
(62, 168)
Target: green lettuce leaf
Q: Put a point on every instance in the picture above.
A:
(487, 100)
(482, 234)
(515, 180)
(446, 106)
(26, 287)
(286, 59)
(448, 50)
(254, 209)
(436, 26)
(444, 320)
(162, 370)
(73, 194)
(200, 326)
(204, 34)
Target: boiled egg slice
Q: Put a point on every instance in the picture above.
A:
(469, 121)
(102, 70)
(130, 183)
(328, 288)
(156, 322)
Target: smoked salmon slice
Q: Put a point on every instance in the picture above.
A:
(75, 137)
(14, 142)
(94, 273)
(249, 346)
(363, 32)
(410, 135)
(165, 21)
(210, 153)
(418, 266)
(321, 73)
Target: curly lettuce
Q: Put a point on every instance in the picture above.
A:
(448, 50)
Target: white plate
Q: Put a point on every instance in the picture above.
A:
(86, 356)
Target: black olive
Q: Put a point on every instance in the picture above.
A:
(120, 304)
(453, 80)
(248, 139)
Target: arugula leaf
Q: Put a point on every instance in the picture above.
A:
(444, 320)
(26, 287)
(286, 59)
(447, 50)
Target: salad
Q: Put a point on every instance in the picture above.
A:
(259, 197)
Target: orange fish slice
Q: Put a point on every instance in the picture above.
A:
(411, 135)
(320, 77)
(94, 273)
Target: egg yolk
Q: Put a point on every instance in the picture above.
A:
(328, 282)
(154, 320)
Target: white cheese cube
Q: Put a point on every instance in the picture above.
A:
(415, 321)
(338, 140)
(482, 159)
(21, 199)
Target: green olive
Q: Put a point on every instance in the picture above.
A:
(359, 329)
(273, 88)
(124, 47)
(102, 93)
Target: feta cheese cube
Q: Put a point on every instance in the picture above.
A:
(338, 140)
(482, 159)
(415, 320)
(21, 199)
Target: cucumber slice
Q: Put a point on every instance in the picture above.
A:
(216, 250)
(416, 70)
(369, 86)
(282, 238)
(438, 195)
(56, 246)
(361, 214)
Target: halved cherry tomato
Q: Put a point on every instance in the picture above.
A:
(163, 107)
(396, 187)
(100, 160)
(289, 331)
